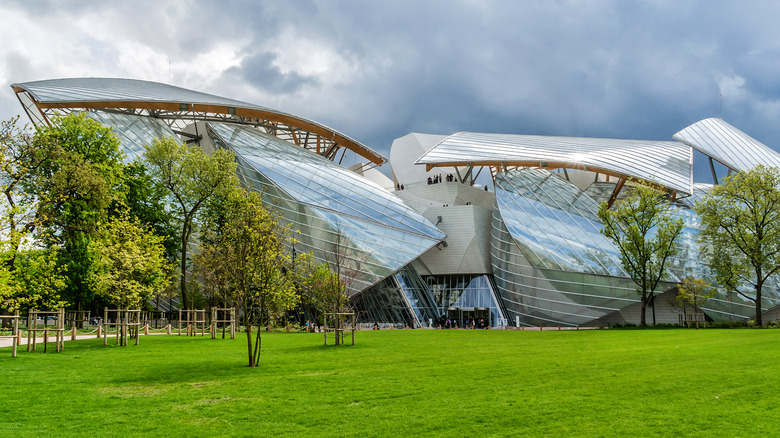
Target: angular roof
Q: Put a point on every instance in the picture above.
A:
(668, 163)
(107, 93)
(727, 144)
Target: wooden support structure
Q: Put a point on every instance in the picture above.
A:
(58, 329)
(226, 316)
(15, 333)
(616, 192)
(76, 318)
(127, 323)
(194, 320)
(337, 323)
(689, 319)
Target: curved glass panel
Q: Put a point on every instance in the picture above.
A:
(332, 208)
(134, 93)
(555, 222)
(727, 144)
(553, 267)
(135, 132)
(668, 163)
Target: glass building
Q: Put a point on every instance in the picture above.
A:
(518, 245)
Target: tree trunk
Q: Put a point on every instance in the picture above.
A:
(184, 301)
(759, 320)
(258, 343)
(642, 321)
(249, 345)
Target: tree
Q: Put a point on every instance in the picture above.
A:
(144, 201)
(318, 287)
(191, 178)
(129, 263)
(21, 158)
(36, 282)
(693, 292)
(642, 228)
(245, 248)
(740, 231)
(73, 191)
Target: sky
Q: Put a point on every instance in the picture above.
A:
(378, 70)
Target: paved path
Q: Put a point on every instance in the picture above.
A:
(7, 342)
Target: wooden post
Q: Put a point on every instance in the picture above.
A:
(179, 322)
(29, 329)
(73, 333)
(99, 330)
(233, 323)
(61, 329)
(169, 328)
(15, 333)
(213, 326)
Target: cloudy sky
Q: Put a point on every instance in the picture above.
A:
(379, 70)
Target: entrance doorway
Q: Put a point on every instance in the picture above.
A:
(464, 316)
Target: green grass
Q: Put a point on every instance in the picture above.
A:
(450, 383)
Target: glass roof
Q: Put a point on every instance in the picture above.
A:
(667, 163)
(115, 89)
(727, 144)
(111, 90)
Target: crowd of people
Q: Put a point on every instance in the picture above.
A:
(438, 178)
(444, 322)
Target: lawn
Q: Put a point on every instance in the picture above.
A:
(453, 383)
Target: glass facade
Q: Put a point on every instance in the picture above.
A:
(553, 267)
(135, 132)
(461, 297)
(550, 263)
(332, 209)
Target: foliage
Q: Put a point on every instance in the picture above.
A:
(74, 190)
(36, 282)
(586, 383)
(145, 202)
(693, 292)
(129, 264)
(190, 177)
(21, 158)
(642, 228)
(318, 286)
(740, 231)
(245, 249)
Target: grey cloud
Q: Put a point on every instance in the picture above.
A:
(259, 71)
(607, 69)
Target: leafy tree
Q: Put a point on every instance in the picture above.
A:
(642, 228)
(74, 190)
(693, 292)
(21, 158)
(319, 288)
(245, 248)
(740, 231)
(191, 177)
(145, 202)
(36, 282)
(129, 263)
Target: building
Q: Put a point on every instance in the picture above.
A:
(490, 226)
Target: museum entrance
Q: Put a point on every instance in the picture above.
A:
(465, 316)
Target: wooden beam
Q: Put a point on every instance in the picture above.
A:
(291, 121)
(616, 192)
